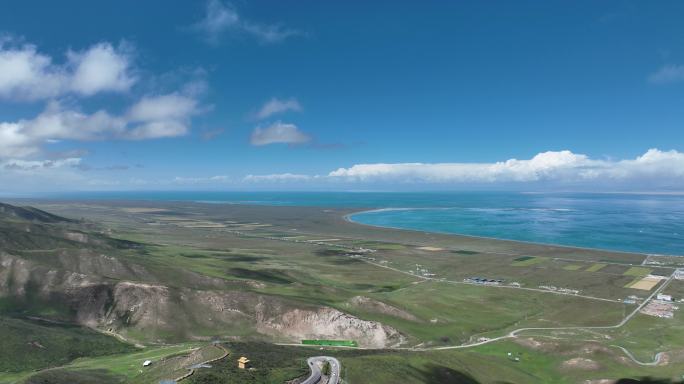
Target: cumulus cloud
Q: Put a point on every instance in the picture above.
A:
(100, 68)
(275, 106)
(171, 106)
(279, 132)
(26, 74)
(560, 166)
(667, 74)
(653, 169)
(150, 118)
(161, 116)
(222, 17)
(543, 165)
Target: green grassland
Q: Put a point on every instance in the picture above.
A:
(595, 267)
(29, 345)
(270, 363)
(129, 365)
(637, 271)
(274, 255)
(539, 362)
(63, 376)
(572, 267)
(453, 314)
(527, 261)
(175, 366)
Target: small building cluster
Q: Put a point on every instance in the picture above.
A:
(664, 297)
(660, 308)
(483, 280)
(630, 300)
(679, 274)
(568, 291)
(422, 271)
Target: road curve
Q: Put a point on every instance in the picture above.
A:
(656, 359)
(314, 365)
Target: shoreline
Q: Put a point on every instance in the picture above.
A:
(347, 218)
(346, 214)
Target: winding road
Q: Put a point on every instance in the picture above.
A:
(315, 366)
(656, 359)
(513, 333)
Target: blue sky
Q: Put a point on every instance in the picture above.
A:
(341, 95)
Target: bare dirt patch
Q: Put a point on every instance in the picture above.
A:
(537, 344)
(582, 364)
(647, 283)
(431, 249)
(372, 305)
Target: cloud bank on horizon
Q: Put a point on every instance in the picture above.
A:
(653, 169)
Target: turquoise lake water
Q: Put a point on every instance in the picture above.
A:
(625, 222)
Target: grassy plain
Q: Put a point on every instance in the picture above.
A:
(411, 281)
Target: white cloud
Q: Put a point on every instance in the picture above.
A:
(152, 117)
(560, 167)
(34, 165)
(275, 106)
(161, 116)
(279, 177)
(269, 33)
(218, 18)
(39, 175)
(222, 17)
(13, 142)
(164, 107)
(540, 166)
(652, 170)
(157, 130)
(26, 74)
(100, 68)
(278, 133)
(201, 180)
(667, 74)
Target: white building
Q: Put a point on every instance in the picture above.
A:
(679, 274)
(664, 297)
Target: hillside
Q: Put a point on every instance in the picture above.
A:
(33, 344)
(11, 212)
(175, 277)
(56, 268)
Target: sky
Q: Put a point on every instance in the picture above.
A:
(341, 95)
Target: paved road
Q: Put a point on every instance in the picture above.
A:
(656, 359)
(315, 366)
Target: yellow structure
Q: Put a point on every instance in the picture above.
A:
(243, 362)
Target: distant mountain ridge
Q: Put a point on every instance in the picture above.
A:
(8, 211)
